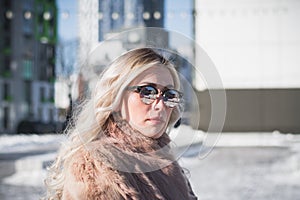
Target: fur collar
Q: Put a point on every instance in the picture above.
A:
(124, 164)
(126, 149)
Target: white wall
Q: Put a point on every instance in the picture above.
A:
(253, 43)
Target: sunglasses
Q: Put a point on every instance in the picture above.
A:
(149, 93)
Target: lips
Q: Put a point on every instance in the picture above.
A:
(155, 120)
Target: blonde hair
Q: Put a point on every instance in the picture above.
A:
(105, 98)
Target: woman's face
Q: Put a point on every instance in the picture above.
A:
(151, 120)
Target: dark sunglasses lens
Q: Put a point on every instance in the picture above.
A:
(172, 98)
(148, 94)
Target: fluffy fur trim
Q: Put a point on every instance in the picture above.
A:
(124, 164)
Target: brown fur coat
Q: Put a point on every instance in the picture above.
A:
(124, 164)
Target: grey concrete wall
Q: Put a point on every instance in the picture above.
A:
(256, 110)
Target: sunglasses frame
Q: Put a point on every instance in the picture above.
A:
(138, 89)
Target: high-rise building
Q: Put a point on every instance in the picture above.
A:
(117, 15)
(101, 19)
(28, 30)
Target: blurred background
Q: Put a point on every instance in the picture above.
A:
(253, 44)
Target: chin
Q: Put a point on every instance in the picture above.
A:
(152, 131)
(154, 134)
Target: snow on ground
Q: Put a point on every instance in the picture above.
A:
(30, 170)
(23, 142)
(182, 136)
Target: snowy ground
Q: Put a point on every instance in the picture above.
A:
(238, 166)
(26, 143)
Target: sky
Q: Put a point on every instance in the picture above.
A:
(179, 16)
(67, 19)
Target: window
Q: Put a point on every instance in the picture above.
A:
(51, 31)
(6, 118)
(51, 95)
(6, 73)
(6, 92)
(28, 92)
(50, 52)
(50, 71)
(27, 5)
(42, 94)
(40, 113)
(27, 23)
(6, 39)
(51, 114)
(27, 69)
(40, 8)
(40, 29)
(6, 25)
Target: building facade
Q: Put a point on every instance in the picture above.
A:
(119, 15)
(253, 46)
(27, 62)
(100, 20)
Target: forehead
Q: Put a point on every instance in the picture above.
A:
(157, 74)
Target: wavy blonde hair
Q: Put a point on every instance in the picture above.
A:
(105, 98)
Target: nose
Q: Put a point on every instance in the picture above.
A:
(158, 103)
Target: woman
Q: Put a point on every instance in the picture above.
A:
(118, 147)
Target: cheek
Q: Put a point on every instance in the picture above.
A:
(136, 108)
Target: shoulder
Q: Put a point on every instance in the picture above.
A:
(90, 161)
(88, 177)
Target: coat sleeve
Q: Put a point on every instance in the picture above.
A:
(191, 192)
(87, 179)
(192, 195)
